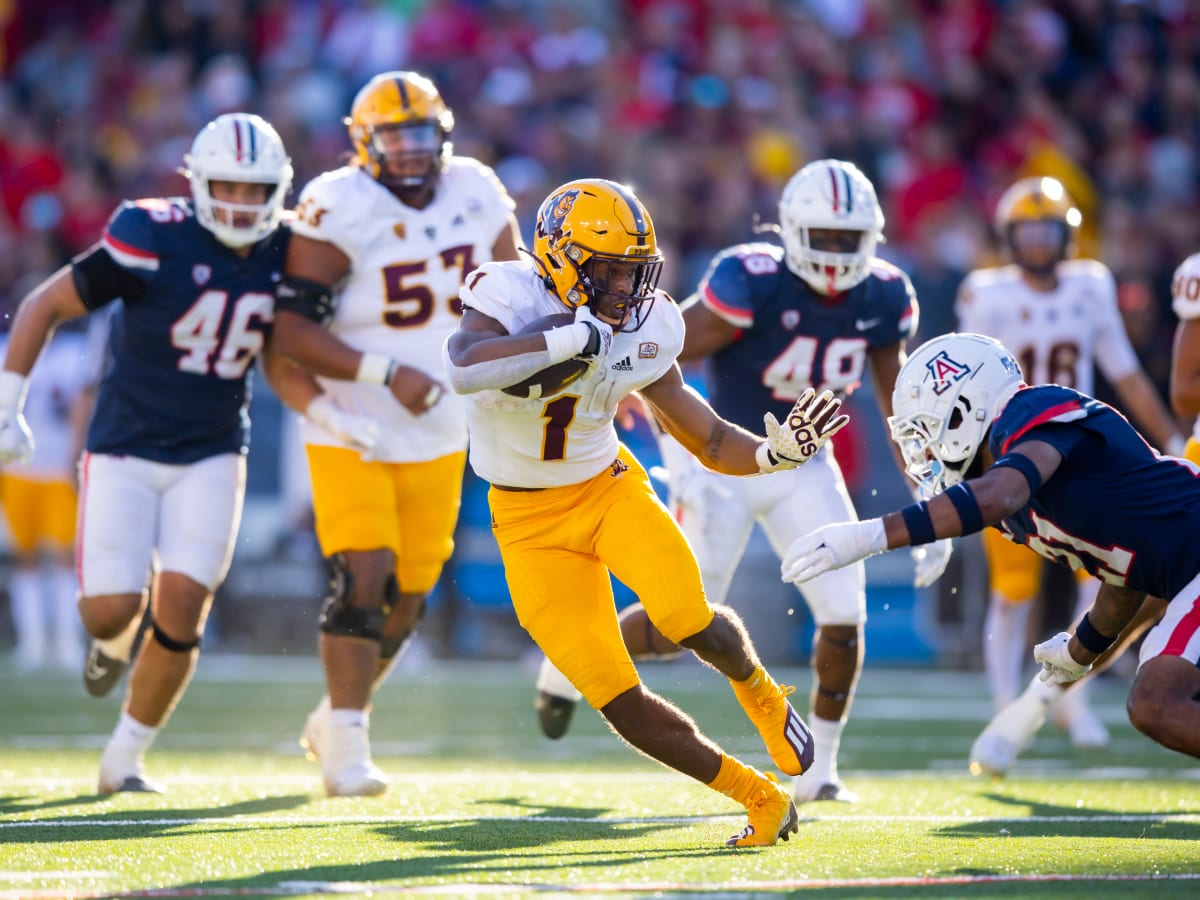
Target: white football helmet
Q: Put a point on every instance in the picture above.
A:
(238, 147)
(829, 193)
(947, 394)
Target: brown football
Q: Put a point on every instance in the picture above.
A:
(552, 379)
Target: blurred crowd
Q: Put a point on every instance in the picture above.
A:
(706, 107)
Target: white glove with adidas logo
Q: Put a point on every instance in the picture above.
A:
(813, 420)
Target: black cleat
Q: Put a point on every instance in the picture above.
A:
(136, 784)
(101, 672)
(554, 714)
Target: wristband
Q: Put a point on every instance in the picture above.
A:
(567, 341)
(767, 461)
(967, 507)
(1091, 639)
(375, 368)
(919, 523)
(12, 390)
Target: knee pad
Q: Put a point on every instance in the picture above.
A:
(338, 616)
(169, 643)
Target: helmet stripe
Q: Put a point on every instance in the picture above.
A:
(849, 193)
(403, 89)
(639, 221)
(250, 129)
(833, 181)
(237, 138)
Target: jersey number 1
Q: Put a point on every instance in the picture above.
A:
(228, 355)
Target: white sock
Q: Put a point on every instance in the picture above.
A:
(120, 646)
(130, 735)
(29, 618)
(1004, 639)
(67, 628)
(348, 718)
(827, 739)
(555, 682)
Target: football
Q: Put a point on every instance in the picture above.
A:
(552, 379)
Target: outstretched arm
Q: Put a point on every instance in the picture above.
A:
(963, 509)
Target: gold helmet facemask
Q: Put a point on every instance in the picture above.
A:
(595, 244)
(400, 129)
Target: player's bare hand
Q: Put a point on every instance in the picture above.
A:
(415, 390)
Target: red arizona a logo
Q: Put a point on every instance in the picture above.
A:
(945, 372)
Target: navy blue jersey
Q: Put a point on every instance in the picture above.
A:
(1113, 506)
(791, 337)
(175, 385)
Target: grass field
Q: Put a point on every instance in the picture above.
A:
(480, 805)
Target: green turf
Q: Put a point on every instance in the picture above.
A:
(482, 805)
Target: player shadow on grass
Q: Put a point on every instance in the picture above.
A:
(1075, 821)
(516, 849)
(159, 821)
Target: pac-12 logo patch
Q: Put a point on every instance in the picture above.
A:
(945, 372)
(201, 273)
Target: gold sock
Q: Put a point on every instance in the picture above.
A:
(752, 686)
(737, 780)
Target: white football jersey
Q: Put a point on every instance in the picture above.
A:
(1057, 336)
(401, 296)
(570, 437)
(59, 376)
(1185, 300)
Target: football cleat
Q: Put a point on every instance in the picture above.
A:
(1011, 730)
(101, 672)
(121, 774)
(554, 713)
(1075, 715)
(820, 791)
(787, 738)
(771, 815)
(344, 755)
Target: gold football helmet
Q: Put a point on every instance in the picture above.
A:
(594, 243)
(1037, 248)
(400, 129)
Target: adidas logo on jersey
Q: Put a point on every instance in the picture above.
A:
(625, 365)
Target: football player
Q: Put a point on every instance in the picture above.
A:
(773, 322)
(1059, 316)
(1069, 478)
(570, 505)
(1185, 358)
(39, 503)
(369, 295)
(163, 475)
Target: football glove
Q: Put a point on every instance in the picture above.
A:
(359, 432)
(813, 420)
(16, 440)
(832, 547)
(1058, 665)
(930, 561)
(600, 334)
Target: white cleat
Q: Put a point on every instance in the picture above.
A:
(818, 791)
(1076, 716)
(121, 774)
(1011, 730)
(344, 754)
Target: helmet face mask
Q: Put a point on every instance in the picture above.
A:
(1037, 223)
(830, 223)
(400, 129)
(595, 245)
(238, 148)
(947, 394)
